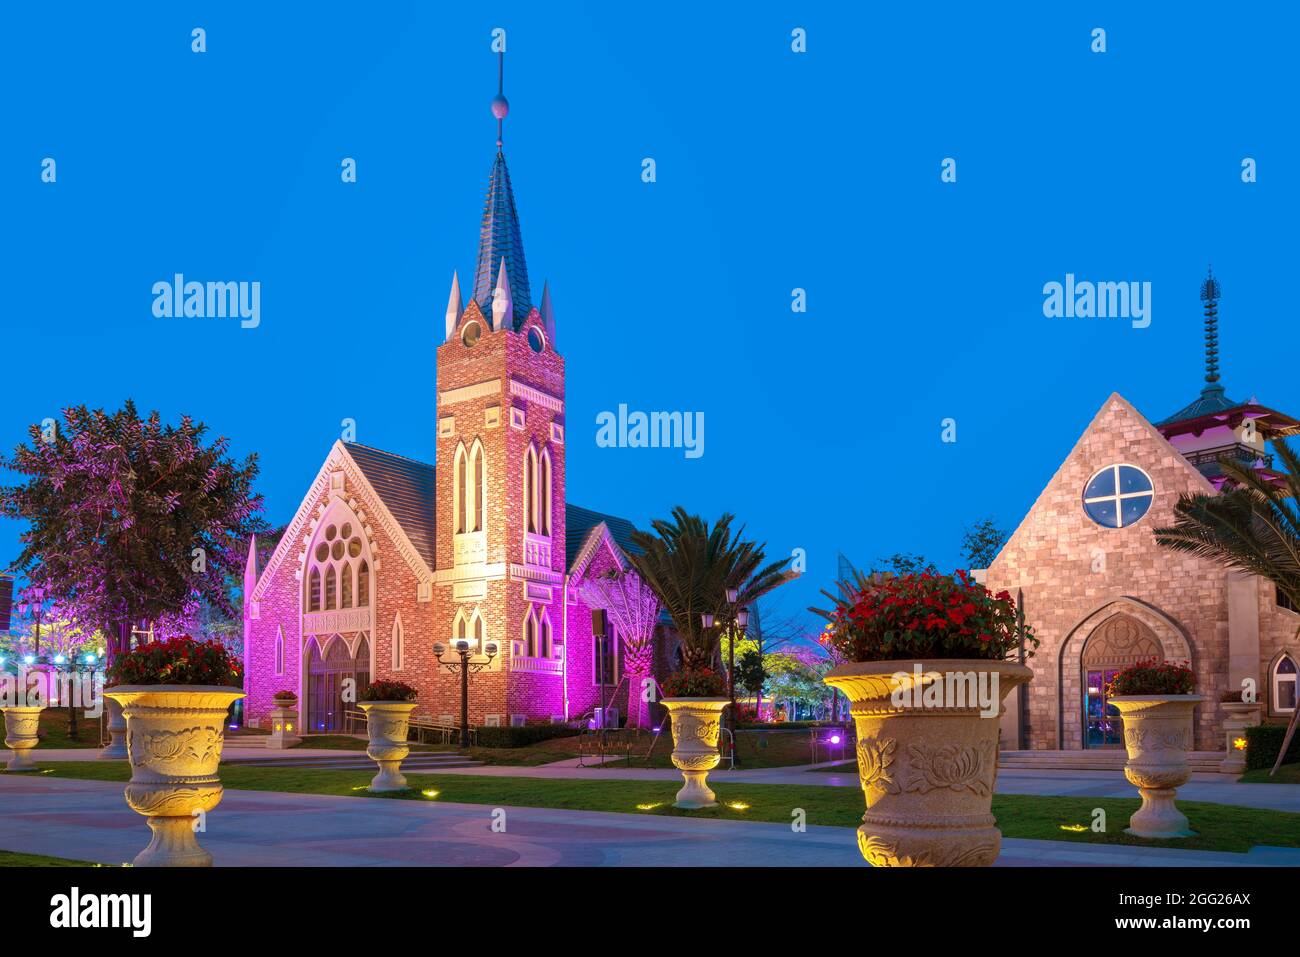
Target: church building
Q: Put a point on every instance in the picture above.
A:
(1101, 594)
(387, 557)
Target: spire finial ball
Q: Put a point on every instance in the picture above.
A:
(500, 106)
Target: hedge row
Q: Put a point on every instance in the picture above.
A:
(1264, 741)
(521, 737)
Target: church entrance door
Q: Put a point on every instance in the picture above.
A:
(327, 680)
(1116, 643)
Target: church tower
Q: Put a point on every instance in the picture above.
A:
(500, 539)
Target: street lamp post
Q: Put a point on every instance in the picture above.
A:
(465, 667)
(34, 602)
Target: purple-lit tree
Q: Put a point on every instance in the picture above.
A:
(130, 520)
(633, 607)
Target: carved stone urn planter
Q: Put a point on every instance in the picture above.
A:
(1237, 717)
(115, 750)
(174, 736)
(928, 757)
(21, 726)
(388, 724)
(1158, 737)
(696, 723)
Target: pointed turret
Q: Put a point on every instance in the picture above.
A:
(453, 305)
(250, 572)
(503, 310)
(548, 314)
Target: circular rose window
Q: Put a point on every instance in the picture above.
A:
(1118, 496)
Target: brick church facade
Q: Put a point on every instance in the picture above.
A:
(1102, 594)
(387, 556)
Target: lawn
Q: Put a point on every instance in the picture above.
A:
(1221, 827)
(1286, 774)
(755, 749)
(54, 730)
(19, 859)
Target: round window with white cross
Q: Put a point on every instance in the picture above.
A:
(1118, 496)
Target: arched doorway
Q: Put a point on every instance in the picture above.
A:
(1119, 641)
(326, 677)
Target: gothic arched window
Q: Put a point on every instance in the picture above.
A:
(313, 590)
(530, 634)
(544, 493)
(338, 573)
(460, 491)
(1284, 685)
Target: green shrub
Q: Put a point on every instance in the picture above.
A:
(1264, 741)
(523, 736)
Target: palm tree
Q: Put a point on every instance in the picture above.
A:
(1253, 525)
(690, 566)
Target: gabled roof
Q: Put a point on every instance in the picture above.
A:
(407, 489)
(578, 523)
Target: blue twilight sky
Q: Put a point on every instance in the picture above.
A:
(775, 170)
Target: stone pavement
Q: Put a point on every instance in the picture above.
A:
(89, 820)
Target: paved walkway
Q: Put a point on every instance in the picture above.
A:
(89, 820)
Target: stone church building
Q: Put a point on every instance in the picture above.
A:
(1101, 594)
(387, 556)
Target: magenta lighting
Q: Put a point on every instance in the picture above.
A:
(835, 739)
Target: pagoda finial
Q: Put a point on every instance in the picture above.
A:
(1210, 291)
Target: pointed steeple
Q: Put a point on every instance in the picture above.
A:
(500, 242)
(250, 572)
(548, 314)
(453, 306)
(503, 314)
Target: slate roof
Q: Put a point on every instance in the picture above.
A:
(500, 239)
(578, 523)
(407, 489)
(1211, 400)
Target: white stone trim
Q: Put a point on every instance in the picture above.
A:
(535, 395)
(467, 393)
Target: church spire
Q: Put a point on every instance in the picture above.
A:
(1210, 292)
(500, 243)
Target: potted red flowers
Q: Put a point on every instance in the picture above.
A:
(174, 695)
(388, 706)
(927, 663)
(1155, 700)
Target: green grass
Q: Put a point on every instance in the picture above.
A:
(1286, 774)
(19, 859)
(54, 730)
(1221, 827)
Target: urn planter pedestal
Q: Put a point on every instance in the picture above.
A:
(1158, 737)
(115, 750)
(928, 757)
(174, 735)
(284, 724)
(388, 723)
(22, 725)
(696, 724)
(1237, 717)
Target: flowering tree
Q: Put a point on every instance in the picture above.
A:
(130, 520)
(633, 607)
